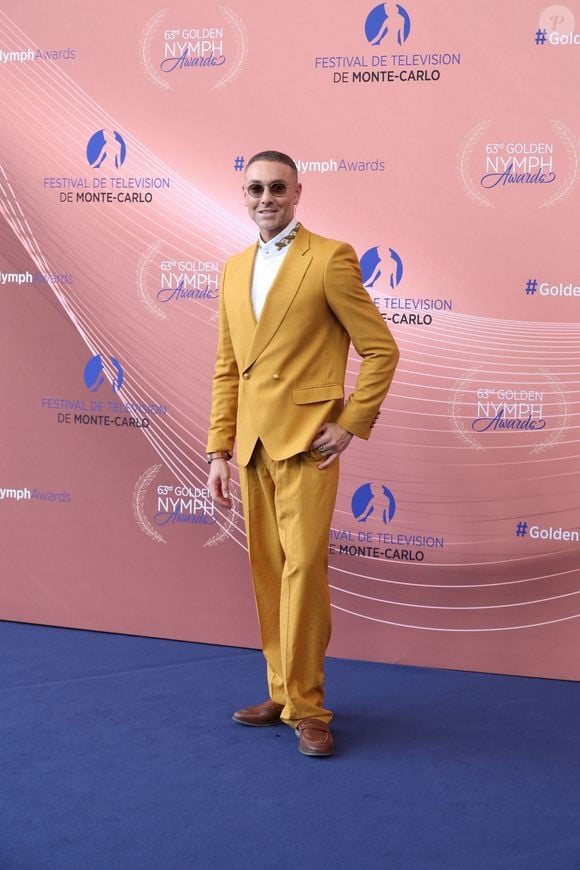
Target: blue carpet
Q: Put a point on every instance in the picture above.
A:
(120, 753)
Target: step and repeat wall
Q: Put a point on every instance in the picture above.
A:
(441, 141)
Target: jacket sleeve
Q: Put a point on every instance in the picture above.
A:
(370, 335)
(224, 403)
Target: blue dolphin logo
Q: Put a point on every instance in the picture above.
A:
(363, 503)
(370, 263)
(103, 145)
(376, 24)
(94, 375)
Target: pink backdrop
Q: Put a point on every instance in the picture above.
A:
(447, 154)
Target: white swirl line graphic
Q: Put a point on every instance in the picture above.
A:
(145, 56)
(456, 630)
(453, 586)
(455, 606)
(463, 158)
(10, 208)
(139, 492)
(241, 38)
(572, 147)
(143, 270)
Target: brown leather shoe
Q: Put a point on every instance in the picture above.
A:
(315, 737)
(267, 713)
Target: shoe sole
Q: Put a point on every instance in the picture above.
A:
(257, 724)
(316, 754)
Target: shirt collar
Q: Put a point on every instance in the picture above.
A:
(270, 247)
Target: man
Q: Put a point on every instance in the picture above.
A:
(289, 308)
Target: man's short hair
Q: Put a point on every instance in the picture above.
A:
(274, 157)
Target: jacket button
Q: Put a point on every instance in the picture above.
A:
(246, 376)
(276, 377)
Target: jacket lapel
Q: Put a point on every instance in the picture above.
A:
(238, 300)
(243, 284)
(281, 294)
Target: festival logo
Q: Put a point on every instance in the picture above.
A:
(387, 28)
(208, 50)
(384, 18)
(169, 283)
(372, 268)
(106, 152)
(366, 502)
(381, 273)
(122, 411)
(106, 146)
(373, 508)
(94, 374)
(494, 412)
(493, 165)
(166, 508)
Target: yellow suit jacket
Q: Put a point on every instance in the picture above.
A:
(281, 378)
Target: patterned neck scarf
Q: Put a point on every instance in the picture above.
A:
(289, 238)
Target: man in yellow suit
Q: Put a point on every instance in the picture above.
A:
(290, 306)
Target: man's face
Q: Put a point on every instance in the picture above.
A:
(271, 213)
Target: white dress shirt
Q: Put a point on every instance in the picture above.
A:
(266, 266)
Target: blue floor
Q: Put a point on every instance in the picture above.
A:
(120, 753)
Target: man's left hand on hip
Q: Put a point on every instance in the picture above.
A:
(331, 440)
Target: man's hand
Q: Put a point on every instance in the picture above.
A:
(334, 439)
(218, 482)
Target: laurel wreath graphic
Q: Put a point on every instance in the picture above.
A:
(460, 388)
(138, 503)
(572, 147)
(139, 493)
(463, 158)
(457, 392)
(145, 57)
(564, 407)
(143, 270)
(241, 40)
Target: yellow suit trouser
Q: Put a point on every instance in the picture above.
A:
(288, 506)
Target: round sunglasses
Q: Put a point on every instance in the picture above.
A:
(276, 188)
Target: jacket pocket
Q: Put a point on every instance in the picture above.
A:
(321, 393)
